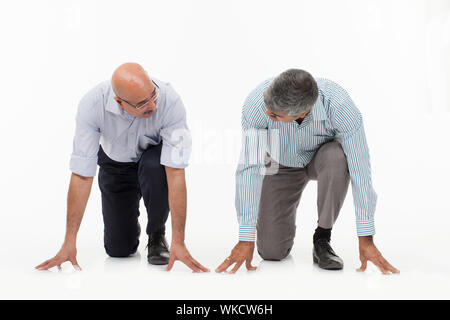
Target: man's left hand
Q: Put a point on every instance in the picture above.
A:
(369, 252)
(178, 251)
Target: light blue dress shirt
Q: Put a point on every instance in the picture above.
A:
(124, 137)
(334, 116)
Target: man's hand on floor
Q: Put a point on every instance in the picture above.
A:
(242, 252)
(369, 252)
(178, 251)
(68, 252)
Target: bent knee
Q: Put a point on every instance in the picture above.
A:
(273, 253)
(121, 250)
(334, 157)
(333, 151)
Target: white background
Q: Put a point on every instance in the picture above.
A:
(391, 56)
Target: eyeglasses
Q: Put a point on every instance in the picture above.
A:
(153, 98)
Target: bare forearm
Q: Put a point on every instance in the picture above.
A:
(78, 195)
(177, 202)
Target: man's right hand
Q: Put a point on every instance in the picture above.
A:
(243, 251)
(68, 252)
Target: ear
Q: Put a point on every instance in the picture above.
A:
(119, 102)
(305, 114)
(268, 112)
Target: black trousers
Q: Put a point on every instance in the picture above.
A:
(122, 184)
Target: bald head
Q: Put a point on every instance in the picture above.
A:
(130, 81)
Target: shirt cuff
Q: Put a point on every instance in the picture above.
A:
(86, 167)
(175, 157)
(247, 233)
(365, 228)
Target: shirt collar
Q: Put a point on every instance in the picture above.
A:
(113, 107)
(318, 111)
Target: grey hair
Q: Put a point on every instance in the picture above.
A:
(293, 92)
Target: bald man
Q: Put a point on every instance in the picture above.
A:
(135, 129)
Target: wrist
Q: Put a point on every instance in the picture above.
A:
(366, 240)
(70, 240)
(177, 242)
(177, 234)
(247, 243)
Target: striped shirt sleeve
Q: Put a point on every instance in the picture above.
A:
(348, 123)
(250, 170)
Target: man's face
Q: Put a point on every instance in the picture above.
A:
(281, 116)
(140, 101)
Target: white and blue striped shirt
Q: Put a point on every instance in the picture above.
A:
(334, 116)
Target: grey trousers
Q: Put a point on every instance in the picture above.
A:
(281, 192)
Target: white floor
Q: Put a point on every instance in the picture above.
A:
(423, 261)
(423, 275)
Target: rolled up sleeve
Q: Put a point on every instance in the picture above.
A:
(83, 160)
(176, 137)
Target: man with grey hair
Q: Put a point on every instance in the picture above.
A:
(295, 129)
(135, 129)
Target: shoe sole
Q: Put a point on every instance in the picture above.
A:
(333, 265)
(158, 261)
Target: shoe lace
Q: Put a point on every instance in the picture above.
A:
(324, 243)
(155, 238)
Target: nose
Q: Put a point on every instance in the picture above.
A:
(151, 106)
(149, 109)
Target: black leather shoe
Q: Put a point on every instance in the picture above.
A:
(325, 257)
(158, 250)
